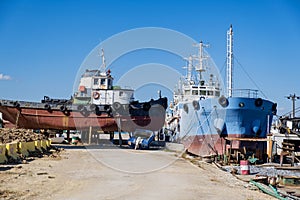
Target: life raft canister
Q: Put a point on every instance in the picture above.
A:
(96, 95)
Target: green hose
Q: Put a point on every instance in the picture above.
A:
(274, 193)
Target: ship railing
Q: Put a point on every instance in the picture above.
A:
(249, 93)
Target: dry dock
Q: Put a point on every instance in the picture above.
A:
(113, 173)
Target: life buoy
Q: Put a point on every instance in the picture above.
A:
(258, 102)
(223, 101)
(96, 95)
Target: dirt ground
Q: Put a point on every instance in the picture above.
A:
(105, 172)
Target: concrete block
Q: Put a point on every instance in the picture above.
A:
(12, 149)
(3, 158)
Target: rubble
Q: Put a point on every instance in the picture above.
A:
(19, 135)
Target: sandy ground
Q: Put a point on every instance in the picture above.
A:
(112, 173)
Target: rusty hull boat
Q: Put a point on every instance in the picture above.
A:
(96, 103)
(65, 115)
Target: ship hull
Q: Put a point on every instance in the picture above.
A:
(207, 131)
(34, 116)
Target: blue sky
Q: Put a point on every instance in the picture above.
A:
(43, 43)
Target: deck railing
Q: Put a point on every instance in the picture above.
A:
(249, 93)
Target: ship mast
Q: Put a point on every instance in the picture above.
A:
(201, 58)
(103, 65)
(190, 68)
(229, 61)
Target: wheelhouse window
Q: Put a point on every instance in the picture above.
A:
(102, 81)
(96, 81)
(195, 92)
(203, 92)
(187, 92)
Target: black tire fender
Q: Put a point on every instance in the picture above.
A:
(47, 106)
(196, 105)
(223, 101)
(258, 102)
(146, 106)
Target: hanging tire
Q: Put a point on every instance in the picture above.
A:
(186, 108)
(85, 112)
(274, 108)
(258, 102)
(16, 104)
(146, 106)
(47, 107)
(93, 107)
(80, 107)
(196, 105)
(63, 108)
(117, 106)
(223, 101)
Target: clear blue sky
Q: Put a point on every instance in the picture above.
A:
(43, 43)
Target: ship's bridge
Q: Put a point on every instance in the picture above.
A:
(197, 92)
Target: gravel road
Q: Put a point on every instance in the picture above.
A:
(107, 172)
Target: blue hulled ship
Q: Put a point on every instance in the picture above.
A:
(209, 117)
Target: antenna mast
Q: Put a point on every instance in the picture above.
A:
(103, 65)
(229, 61)
(201, 57)
(190, 68)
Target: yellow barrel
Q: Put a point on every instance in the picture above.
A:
(3, 158)
(38, 145)
(11, 149)
(30, 146)
(23, 148)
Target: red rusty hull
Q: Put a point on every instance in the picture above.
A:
(203, 145)
(33, 118)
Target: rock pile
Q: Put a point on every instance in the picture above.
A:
(19, 135)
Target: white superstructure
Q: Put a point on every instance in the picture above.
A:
(96, 87)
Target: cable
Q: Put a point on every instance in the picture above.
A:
(250, 77)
